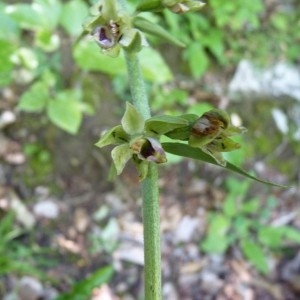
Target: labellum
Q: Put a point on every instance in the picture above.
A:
(104, 37)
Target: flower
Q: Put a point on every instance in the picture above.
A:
(132, 141)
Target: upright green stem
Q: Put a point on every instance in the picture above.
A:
(151, 219)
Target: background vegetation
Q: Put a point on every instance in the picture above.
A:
(57, 95)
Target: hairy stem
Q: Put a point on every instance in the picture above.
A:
(151, 219)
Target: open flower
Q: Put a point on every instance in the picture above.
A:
(112, 29)
(212, 132)
(132, 141)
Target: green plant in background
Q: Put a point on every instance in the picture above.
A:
(245, 223)
(14, 257)
(115, 29)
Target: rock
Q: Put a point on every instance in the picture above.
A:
(30, 289)
(280, 80)
(169, 292)
(81, 220)
(46, 209)
(186, 229)
(6, 118)
(23, 215)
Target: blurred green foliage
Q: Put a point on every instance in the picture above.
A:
(246, 223)
(38, 53)
(14, 257)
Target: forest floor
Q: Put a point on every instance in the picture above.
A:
(72, 222)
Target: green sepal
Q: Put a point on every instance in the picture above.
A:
(132, 121)
(132, 40)
(162, 124)
(142, 167)
(150, 6)
(107, 9)
(217, 156)
(120, 156)
(233, 130)
(185, 150)
(114, 136)
(223, 144)
(154, 29)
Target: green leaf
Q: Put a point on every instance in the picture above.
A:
(255, 255)
(149, 27)
(196, 153)
(88, 56)
(291, 234)
(35, 98)
(6, 66)
(251, 206)
(47, 40)
(271, 236)
(84, 288)
(65, 112)
(132, 121)
(24, 15)
(49, 12)
(197, 59)
(114, 136)
(120, 155)
(230, 208)
(9, 28)
(163, 124)
(154, 67)
(217, 240)
(73, 15)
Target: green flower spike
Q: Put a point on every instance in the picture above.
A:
(133, 142)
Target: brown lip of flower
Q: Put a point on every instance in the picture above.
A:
(149, 149)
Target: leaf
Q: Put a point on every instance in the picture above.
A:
(6, 66)
(163, 124)
(115, 136)
(197, 59)
(120, 155)
(217, 240)
(196, 153)
(255, 255)
(291, 234)
(88, 56)
(149, 27)
(271, 236)
(24, 15)
(154, 67)
(132, 121)
(84, 288)
(72, 16)
(65, 112)
(35, 98)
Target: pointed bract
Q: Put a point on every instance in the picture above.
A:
(132, 121)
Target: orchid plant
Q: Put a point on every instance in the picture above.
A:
(138, 136)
